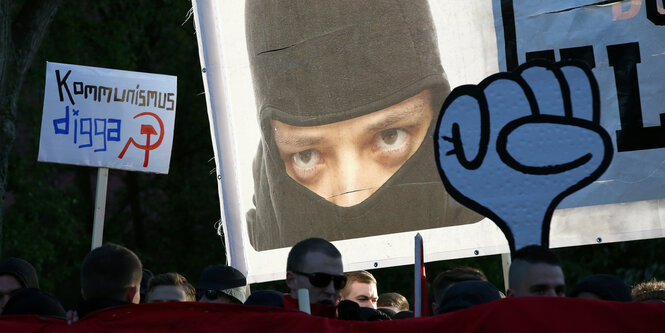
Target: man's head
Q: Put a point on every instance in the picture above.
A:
(360, 288)
(221, 284)
(393, 301)
(448, 277)
(170, 287)
(650, 291)
(602, 286)
(15, 274)
(316, 265)
(466, 294)
(535, 271)
(111, 271)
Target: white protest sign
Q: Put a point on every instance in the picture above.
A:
(108, 118)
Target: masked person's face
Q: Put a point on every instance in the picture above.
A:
(347, 161)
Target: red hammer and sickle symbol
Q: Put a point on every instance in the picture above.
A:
(148, 130)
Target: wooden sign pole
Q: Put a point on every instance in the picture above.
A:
(100, 207)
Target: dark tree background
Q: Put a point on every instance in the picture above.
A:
(168, 220)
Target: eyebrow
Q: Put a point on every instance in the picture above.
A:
(395, 116)
(298, 140)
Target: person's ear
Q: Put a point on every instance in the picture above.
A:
(134, 294)
(291, 281)
(435, 308)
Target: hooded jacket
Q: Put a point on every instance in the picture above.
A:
(321, 62)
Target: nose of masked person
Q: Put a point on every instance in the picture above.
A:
(354, 178)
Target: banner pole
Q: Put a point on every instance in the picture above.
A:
(100, 207)
(420, 300)
(505, 265)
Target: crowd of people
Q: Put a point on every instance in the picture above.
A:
(112, 275)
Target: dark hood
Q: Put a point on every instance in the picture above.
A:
(319, 62)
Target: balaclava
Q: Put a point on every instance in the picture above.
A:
(320, 62)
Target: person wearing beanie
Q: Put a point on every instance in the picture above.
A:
(221, 284)
(15, 274)
(602, 286)
(346, 93)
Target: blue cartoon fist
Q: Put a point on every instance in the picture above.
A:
(512, 147)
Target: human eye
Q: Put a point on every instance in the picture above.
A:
(306, 158)
(538, 290)
(392, 146)
(391, 138)
(305, 165)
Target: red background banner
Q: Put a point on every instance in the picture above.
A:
(506, 315)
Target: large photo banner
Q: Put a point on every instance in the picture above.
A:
(322, 115)
(108, 118)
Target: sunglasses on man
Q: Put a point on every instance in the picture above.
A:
(321, 280)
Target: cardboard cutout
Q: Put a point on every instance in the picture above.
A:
(513, 146)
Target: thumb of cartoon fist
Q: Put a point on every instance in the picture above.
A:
(514, 146)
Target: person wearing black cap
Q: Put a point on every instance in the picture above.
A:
(451, 276)
(602, 286)
(346, 93)
(221, 284)
(266, 298)
(15, 274)
(466, 294)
